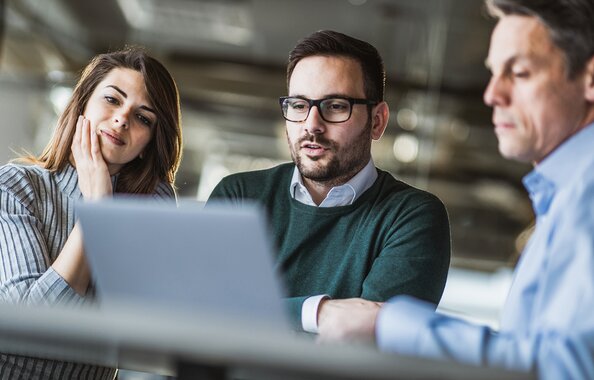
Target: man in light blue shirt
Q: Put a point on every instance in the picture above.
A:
(542, 93)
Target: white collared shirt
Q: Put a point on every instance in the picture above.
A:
(342, 195)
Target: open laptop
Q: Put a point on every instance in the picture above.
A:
(214, 260)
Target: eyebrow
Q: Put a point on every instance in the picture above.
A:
(123, 93)
(509, 62)
(327, 96)
(532, 59)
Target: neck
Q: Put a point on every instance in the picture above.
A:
(588, 118)
(319, 189)
(114, 169)
(585, 121)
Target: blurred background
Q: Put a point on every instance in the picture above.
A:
(228, 58)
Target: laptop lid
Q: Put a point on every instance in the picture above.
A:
(214, 260)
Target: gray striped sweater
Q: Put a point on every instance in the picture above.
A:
(36, 216)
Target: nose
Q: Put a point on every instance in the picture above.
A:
(314, 123)
(497, 92)
(120, 119)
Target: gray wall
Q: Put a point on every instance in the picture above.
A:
(23, 106)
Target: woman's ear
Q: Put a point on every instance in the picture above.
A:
(379, 120)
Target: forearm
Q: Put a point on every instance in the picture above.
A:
(71, 263)
(411, 327)
(351, 319)
(26, 276)
(40, 288)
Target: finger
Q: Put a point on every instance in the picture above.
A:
(86, 138)
(75, 146)
(95, 146)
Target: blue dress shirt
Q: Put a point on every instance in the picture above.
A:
(547, 323)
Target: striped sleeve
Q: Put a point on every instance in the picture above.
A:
(25, 272)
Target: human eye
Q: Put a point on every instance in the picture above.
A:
(520, 74)
(519, 71)
(111, 100)
(299, 105)
(336, 105)
(144, 120)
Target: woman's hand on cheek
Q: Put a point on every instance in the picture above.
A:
(93, 175)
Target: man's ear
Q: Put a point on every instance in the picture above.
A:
(379, 120)
(589, 85)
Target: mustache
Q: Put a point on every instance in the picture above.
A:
(318, 139)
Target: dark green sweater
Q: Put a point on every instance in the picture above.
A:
(394, 239)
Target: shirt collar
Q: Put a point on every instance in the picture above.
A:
(342, 195)
(552, 174)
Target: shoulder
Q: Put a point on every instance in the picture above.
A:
(277, 172)
(22, 182)
(257, 180)
(396, 191)
(578, 201)
(16, 177)
(164, 190)
(260, 185)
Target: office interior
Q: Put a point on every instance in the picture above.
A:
(228, 58)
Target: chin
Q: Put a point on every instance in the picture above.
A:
(313, 171)
(514, 154)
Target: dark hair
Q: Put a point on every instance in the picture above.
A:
(569, 22)
(331, 43)
(162, 155)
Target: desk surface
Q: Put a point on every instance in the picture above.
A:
(159, 341)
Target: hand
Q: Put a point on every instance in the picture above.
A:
(347, 320)
(93, 174)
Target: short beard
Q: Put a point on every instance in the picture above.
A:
(345, 163)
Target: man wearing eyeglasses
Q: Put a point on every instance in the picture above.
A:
(343, 227)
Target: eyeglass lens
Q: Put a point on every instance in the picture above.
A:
(332, 110)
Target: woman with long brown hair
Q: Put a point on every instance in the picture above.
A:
(120, 133)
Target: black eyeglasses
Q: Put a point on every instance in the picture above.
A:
(336, 109)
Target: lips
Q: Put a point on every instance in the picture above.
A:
(313, 149)
(112, 137)
(312, 146)
(503, 120)
(504, 124)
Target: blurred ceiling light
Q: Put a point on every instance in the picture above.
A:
(56, 75)
(135, 14)
(59, 97)
(501, 195)
(406, 148)
(459, 130)
(210, 21)
(407, 119)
